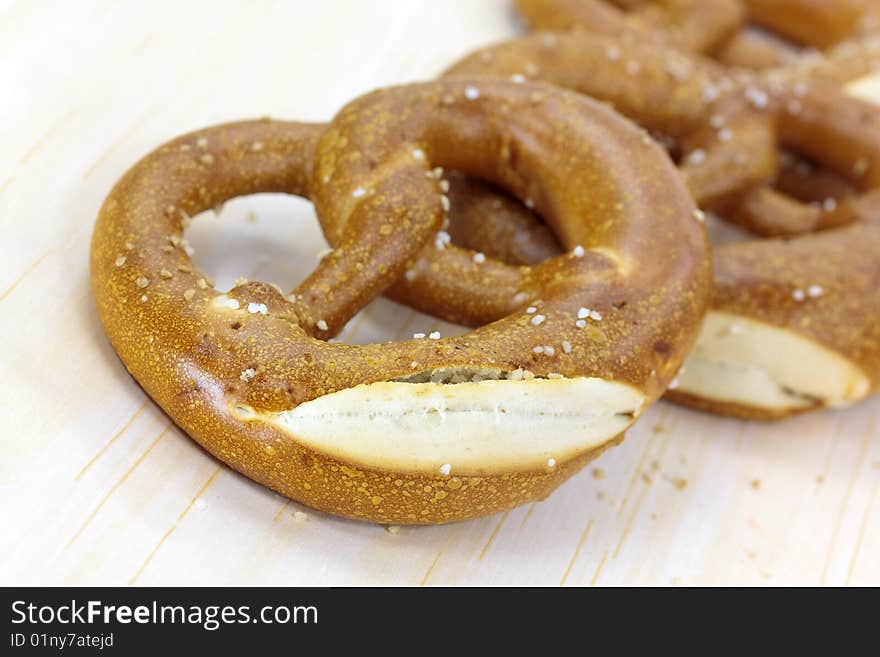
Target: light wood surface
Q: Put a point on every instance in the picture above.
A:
(97, 487)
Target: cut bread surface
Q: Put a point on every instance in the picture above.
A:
(742, 360)
(476, 428)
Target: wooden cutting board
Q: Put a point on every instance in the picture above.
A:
(97, 487)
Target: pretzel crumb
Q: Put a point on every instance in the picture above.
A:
(164, 273)
(202, 284)
(120, 261)
(299, 516)
(207, 158)
(566, 346)
(257, 146)
(202, 142)
(189, 294)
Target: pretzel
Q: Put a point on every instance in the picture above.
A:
(690, 25)
(426, 430)
(816, 23)
(784, 310)
(683, 98)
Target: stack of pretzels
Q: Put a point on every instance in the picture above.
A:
(550, 191)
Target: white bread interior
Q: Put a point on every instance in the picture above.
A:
(472, 428)
(745, 361)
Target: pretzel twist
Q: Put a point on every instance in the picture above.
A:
(420, 431)
(690, 25)
(813, 116)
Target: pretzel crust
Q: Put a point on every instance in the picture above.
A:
(249, 376)
(689, 25)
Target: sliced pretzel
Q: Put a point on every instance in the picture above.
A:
(385, 432)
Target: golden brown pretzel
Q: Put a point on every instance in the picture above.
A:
(729, 146)
(691, 25)
(386, 432)
(783, 311)
(817, 23)
(816, 118)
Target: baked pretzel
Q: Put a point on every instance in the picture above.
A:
(815, 23)
(379, 432)
(727, 145)
(690, 25)
(783, 310)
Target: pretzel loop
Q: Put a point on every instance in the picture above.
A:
(427, 430)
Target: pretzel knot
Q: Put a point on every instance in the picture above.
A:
(424, 430)
(782, 308)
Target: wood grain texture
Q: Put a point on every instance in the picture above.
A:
(97, 487)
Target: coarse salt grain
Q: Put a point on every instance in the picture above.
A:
(531, 310)
(358, 192)
(537, 320)
(434, 335)
(445, 469)
(798, 295)
(418, 336)
(321, 324)
(578, 251)
(479, 258)
(254, 308)
(471, 93)
(566, 346)
(815, 291)
(581, 323)
(696, 157)
(248, 374)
